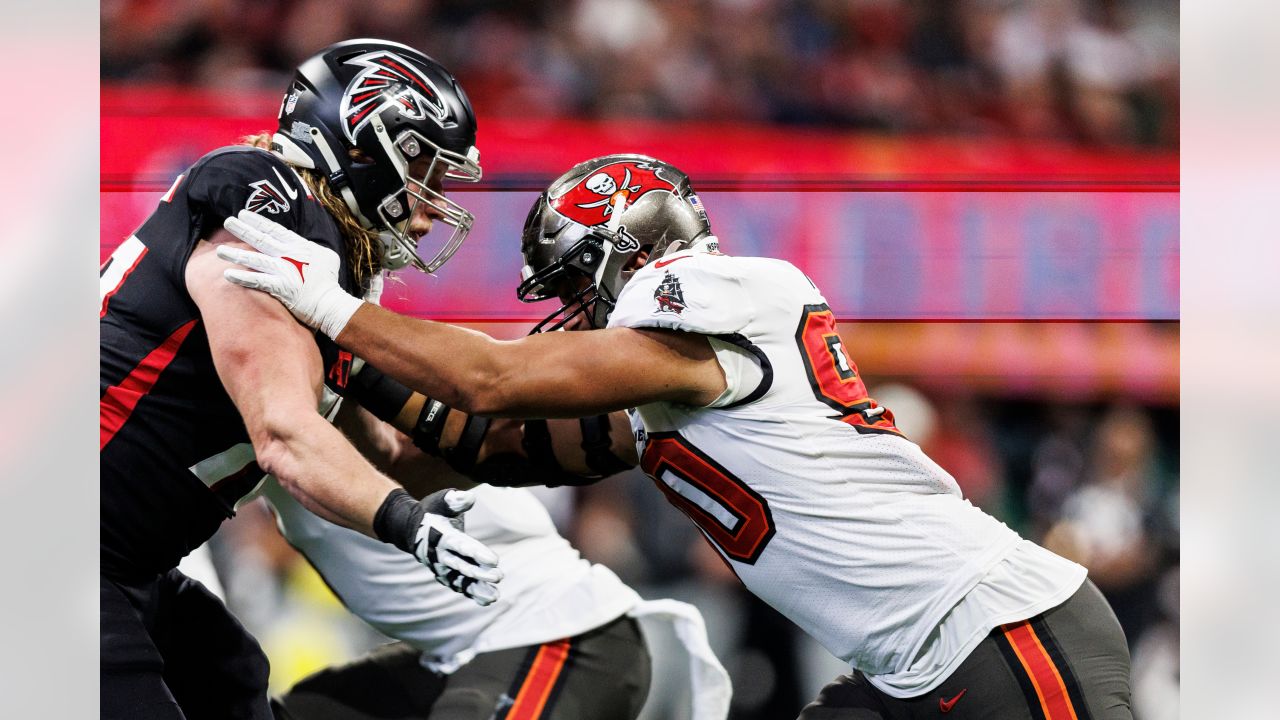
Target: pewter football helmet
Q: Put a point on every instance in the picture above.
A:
(593, 221)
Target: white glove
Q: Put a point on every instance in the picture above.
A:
(459, 561)
(299, 273)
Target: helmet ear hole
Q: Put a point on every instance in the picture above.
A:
(638, 260)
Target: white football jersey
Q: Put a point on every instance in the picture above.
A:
(549, 591)
(803, 483)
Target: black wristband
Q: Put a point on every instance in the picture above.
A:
(398, 519)
(536, 442)
(515, 470)
(597, 444)
(462, 457)
(506, 469)
(430, 426)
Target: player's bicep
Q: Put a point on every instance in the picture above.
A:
(265, 359)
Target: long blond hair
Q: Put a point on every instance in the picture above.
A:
(364, 249)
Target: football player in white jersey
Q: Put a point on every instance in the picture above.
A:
(751, 417)
(563, 640)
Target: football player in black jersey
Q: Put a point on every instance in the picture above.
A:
(197, 404)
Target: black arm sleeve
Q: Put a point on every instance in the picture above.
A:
(379, 394)
(596, 444)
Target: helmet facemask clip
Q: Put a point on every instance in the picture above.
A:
(396, 210)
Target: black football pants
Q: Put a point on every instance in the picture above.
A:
(1070, 663)
(170, 649)
(602, 674)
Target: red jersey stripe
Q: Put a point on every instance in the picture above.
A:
(119, 401)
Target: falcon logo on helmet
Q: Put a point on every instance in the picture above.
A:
(389, 80)
(266, 198)
(384, 125)
(594, 200)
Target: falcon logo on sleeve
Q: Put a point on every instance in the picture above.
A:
(266, 198)
(669, 295)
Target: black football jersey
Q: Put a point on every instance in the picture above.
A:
(174, 454)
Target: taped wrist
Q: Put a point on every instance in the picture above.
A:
(597, 443)
(462, 457)
(430, 426)
(334, 310)
(398, 519)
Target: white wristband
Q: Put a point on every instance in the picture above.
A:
(334, 311)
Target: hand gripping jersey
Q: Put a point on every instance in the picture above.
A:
(805, 486)
(175, 455)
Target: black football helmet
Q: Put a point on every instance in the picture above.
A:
(397, 106)
(593, 221)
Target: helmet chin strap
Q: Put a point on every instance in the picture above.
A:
(331, 160)
(675, 247)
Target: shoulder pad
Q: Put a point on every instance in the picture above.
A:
(690, 291)
(232, 179)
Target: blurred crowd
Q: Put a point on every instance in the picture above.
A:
(1095, 72)
(1096, 482)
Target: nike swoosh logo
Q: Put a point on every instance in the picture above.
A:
(664, 263)
(945, 705)
(297, 264)
(288, 189)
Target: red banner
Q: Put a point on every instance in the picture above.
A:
(889, 228)
(150, 133)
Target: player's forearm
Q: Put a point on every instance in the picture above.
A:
(422, 474)
(316, 465)
(459, 367)
(377, 441)
(535, 376)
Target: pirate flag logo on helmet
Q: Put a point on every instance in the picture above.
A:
(612, 187)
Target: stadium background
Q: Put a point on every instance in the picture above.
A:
(987, 191)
